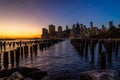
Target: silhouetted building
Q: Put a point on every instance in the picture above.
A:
(77, 30)
(104, 29)
(60, 29)
(59, 33)
(91, 25)
(81, 26)
(67, 32)
(111, 24)
(51, 31)
(85, 27)
(67, 27)
(71, 34)
(45, 33)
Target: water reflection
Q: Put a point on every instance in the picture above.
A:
(64, 56)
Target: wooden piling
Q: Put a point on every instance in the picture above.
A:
(31, 51)
(1, 46)
(35, 49)
(86, 49)
(109, 51)
(92, 47)
(21, 52)
(5, 60)
(99, 46)
(102, 60)
(4, 45)
(92, 51)
(116, 47)
(26, 51)
(20, 43)
(13, 44)
(12, 57)
(41, 46)
(0, 61)
(17, 56)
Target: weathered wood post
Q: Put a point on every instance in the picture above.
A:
(86, 49)
(10, 43)
(35, 49)
(26, 51)
(82, 47)
(12, 57)
(31, 51)
(42, 46)
(13, 44)
(25, 54)
(49, 44)
(5, 60)
(0, 61)
(17, 52)
(1, 45)
(4, 45)
(116, 47)
(20, 43)
(109, 51)
(21, 48)
(113, 45)
(92, 51)
(102, 60)
(99, 46)
(92, 46)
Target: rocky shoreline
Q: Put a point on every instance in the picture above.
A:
(99, 75)
(22, 73)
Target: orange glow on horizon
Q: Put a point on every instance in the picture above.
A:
(20, 36)
(19, 28)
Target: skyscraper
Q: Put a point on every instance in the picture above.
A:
(44, 33)
(91, 25)
(67, 27)
(51, 31)
(59, 29)
(110, 24)
(59, 33)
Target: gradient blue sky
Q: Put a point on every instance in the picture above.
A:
(41, 13)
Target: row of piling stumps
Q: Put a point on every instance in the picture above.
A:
(110, 45)
(23, 50)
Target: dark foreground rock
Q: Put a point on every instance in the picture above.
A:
(33, 73)
(65, 74)
(99, 75)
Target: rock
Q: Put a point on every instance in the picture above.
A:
(99, 75)
(25, 70)
(4, 78)
(5, 73)
(33, 73)
(46, 78)
(15, 76)
(37, 75)
(65, 74)
(28, 79)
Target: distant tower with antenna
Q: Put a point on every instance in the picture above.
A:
(91, 25)
(110, 24)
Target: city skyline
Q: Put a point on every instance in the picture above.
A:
(23, 18)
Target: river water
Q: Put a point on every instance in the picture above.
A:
(62, 60)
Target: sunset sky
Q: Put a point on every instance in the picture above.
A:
(26, 18)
